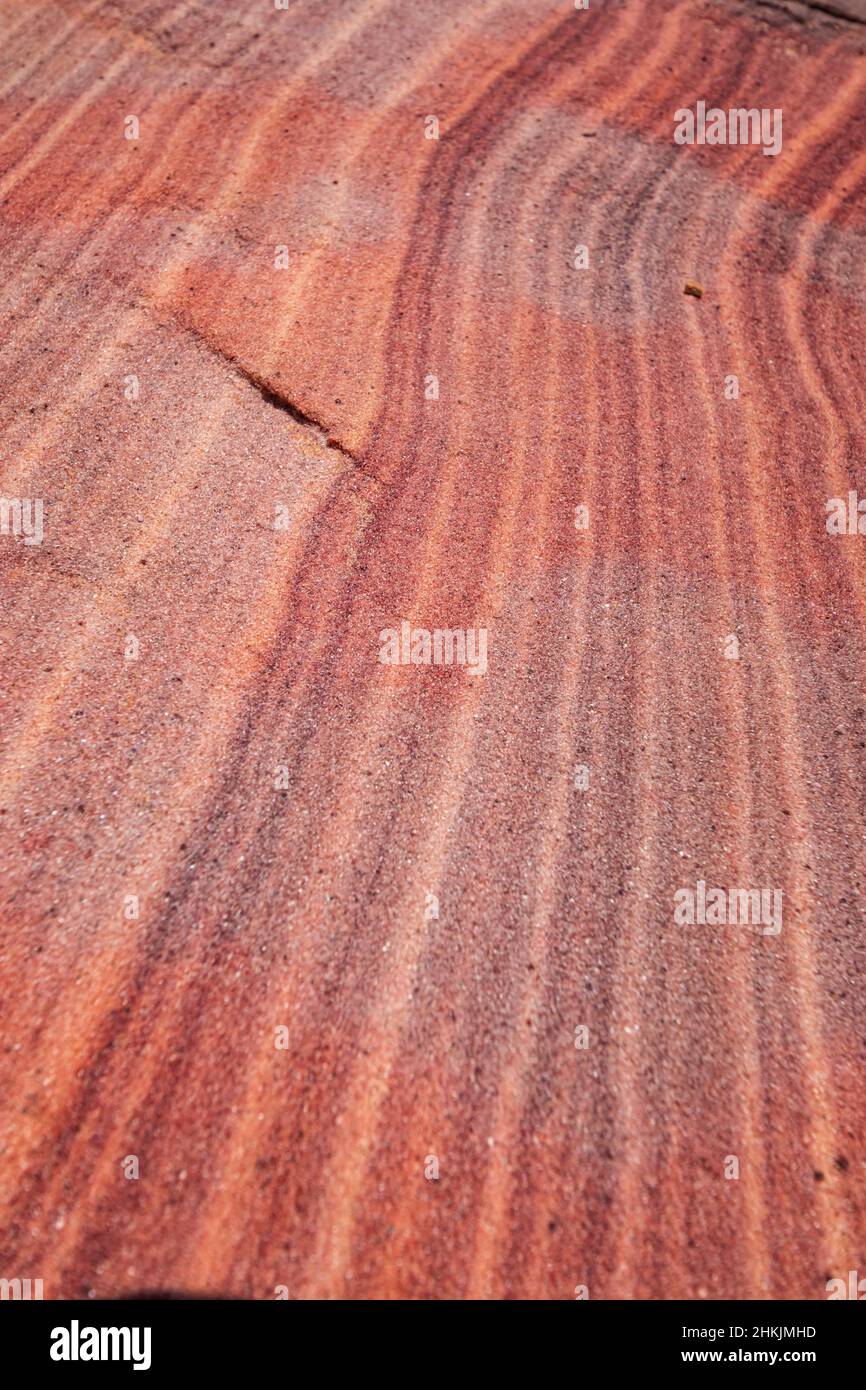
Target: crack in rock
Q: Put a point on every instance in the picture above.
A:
(279, 401)
(840, 11)
(850, 11)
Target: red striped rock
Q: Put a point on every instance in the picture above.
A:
(373, 386)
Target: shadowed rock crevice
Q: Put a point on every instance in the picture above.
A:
(852, 11)
(279, 401)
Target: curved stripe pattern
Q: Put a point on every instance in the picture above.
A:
(309, 937)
